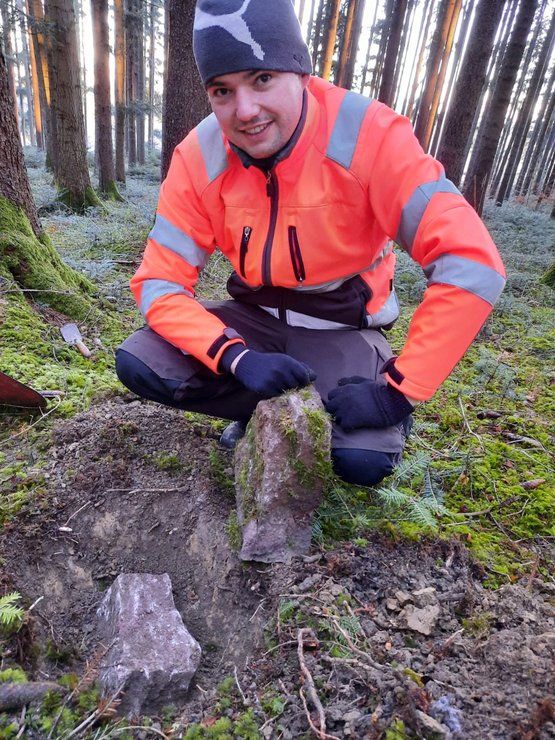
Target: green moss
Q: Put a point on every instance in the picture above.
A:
(34, 264)
(79, 201)
(479, 625)
(233, 531)
(13, 675)
(112, 193)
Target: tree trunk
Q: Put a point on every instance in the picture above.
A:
(523, 121)
(102, 100)
(420, 61)
(437, 51)
(318, 26)
(37, 28)
(131, 80)
(469, 87)
(392, 53)
(71, 170)
(330, 38)
(477, 178)
(542, 122)
(346, 44)
(384, 35)
(7, 25)
(119, 89)
(368, 51)
(37, 96)
(151, 75)
(140, 67)
(29, 92)
(26, 254)
(185, 101)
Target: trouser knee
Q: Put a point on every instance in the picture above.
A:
(140, 379)
(363, 467)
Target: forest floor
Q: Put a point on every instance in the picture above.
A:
(409, 627)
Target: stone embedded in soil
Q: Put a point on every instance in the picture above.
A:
(430, 725)
(424, 597)
(420, 620)
(151, 656)
(278, 474)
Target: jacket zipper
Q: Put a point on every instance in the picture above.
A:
(243, 249)
(272, 191)
(296, 256)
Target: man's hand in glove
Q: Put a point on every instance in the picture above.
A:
(360, 402)
(265, 373)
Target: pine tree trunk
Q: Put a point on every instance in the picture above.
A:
(432, 73)
(330, 38)
(392, 53)
(368, 52)
(119, 89)
(26, 254)
(346, 44)
(384, 36)
(151, 75)
(477, 178)
(37, 26)
(7, 26)
(140, 67)
(420, 61)
(29, 93)
(102, 100)
(185, 101)
(71, 171)
(37, 96)
(316, 43)
(469, 88)
(542, 122)
(131, 80)
(524, 117)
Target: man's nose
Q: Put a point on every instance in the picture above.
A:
(247, 106)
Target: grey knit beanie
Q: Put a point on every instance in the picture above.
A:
(236, 35)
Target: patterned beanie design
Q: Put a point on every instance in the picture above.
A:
(237, 35)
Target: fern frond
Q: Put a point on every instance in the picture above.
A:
(10, 614)
(392, 496)
(421, 514)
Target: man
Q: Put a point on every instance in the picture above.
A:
(303, 186)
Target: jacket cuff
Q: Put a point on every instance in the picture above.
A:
(228, 339)
(230, 353)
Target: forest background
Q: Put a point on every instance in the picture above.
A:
(93, 101)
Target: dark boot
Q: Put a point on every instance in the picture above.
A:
(232, 434)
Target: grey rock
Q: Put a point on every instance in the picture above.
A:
(430, 725)
(152, 656)
(402, 597)
(279, 466)
(424, 597)
(420, 620)
(392, 605)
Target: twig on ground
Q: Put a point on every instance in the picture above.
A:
(309, 683)
(144, 490)
(467, 425)
(77, 512)
(243, 697)
(34, 424)
(319, 733)
(120, 730)
(98, 712)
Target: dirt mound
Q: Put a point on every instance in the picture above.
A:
(394, 634)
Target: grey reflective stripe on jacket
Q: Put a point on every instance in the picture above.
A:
(346, 130)
(482, 281)
(414, 209)
(153, 289)
(173, 238)
(212, 147)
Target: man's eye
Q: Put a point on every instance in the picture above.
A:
(264, 77)
(220, 92)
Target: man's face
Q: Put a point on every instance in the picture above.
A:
(258, 110)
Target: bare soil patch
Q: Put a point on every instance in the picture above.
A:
(132, 488)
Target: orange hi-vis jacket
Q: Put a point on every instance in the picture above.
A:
(310, 241)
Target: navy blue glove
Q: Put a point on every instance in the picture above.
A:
(360, 402)
(266, 373)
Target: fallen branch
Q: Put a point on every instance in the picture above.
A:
(311, 688)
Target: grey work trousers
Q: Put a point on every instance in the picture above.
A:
(165, 374)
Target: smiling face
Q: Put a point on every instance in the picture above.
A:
(258, 110)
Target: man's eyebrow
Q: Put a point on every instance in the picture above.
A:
(221, 83)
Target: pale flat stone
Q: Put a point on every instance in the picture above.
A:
(420, 620)
(151, 656)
